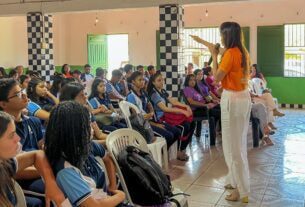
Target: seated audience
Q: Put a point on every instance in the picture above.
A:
(75, 92)
(76, 74)
(139, 98)
(12, 163)
(78, 173)
(2, 73)
(65, 70)
(39, 94)
(161, 100)
(213, 85)
(102, 108)
(198, 102)
(112, 86)
(86, 76)
(56, 86)
(13, 101)
(24, 81)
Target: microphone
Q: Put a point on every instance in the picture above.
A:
(217, 46)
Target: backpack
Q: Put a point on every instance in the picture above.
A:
(142, 126)
(146, 183)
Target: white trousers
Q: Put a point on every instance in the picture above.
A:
(235, 115)
(259, 111)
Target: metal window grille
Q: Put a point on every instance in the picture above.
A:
(294, 50)
(197, 53)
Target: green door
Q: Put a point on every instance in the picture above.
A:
(97, 51)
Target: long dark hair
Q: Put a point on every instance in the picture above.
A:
(187, 79)
(150, 85)
(232, 37)
(68, 134)
(203, 71)
(3, 72)
(57, 82)
(31, 90)
(70, 91)
(94, 90)
(6, 171)
(63, 69)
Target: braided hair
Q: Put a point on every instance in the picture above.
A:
(68, 134)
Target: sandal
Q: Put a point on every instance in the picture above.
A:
(234, 196)
(266, 140)
(182, 156)
(229, 187)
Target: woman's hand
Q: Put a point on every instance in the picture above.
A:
(148, 116)
(213, 50)
(197, 39)
(53, 193)
(102, 108)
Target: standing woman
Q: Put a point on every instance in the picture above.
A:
(233, 72)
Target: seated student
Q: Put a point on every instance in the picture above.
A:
(13, 74)
(74, 91)
(128, 70)
(77, 172)
(102, 107)
(2, 73)
(57, 82)
(12, 164)
(140, 68)
(160, 100)
(138, 97)
(24, 81)
(259, 111)
(197, 101)
(76, 74)
(65, 70)
(204, 88)
(267, 100)
(112, 86)
(213, 85)
(39, 94)
(13, 101)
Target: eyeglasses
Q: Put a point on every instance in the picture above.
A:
(18, 94)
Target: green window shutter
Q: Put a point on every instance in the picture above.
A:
(158, 48)
(97, 51)
(246, 33)
(270, 50)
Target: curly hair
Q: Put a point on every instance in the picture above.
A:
(68, 134)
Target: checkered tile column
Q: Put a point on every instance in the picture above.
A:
(40, 44)
(171, 50)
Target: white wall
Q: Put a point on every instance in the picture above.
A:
(70, 30)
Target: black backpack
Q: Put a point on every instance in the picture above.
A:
(146, 183)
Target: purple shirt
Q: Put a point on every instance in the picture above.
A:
(190, 92)
(203, 89)
(209, 80)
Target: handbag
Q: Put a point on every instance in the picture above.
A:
(175, 119)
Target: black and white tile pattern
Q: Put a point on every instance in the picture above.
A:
(40, 44)
(171, 50)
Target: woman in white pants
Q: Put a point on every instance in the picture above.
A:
(233, 72)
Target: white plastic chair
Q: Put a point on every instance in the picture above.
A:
(19, 195)
(156, 147)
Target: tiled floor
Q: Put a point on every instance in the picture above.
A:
(277, 172)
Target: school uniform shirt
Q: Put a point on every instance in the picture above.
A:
(140, 101)
(10, 195)
(157, 98)
(30, 132)
(86, 77)
(110, 88)
(97, 101)
(32, 108)
(78, 185)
